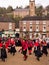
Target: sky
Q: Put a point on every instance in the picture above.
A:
(23, 3)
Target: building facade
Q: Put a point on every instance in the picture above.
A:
(26, 11)
(32, 7)
(35, 26)
(21, 12)
(6, 23)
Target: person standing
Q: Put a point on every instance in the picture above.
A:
(37, 50)
(24, 49)
(3, 52)
(44, 48)
(12, 47)
(0, 48)
(30, 45)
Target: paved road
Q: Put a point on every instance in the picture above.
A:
(18, 60)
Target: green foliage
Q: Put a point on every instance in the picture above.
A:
(47, 8)
(17, 19)
(9, 9)
(39, 10)
(27, 7)
(47, 14)
(19, 7)
(2, 10)
(11, 16)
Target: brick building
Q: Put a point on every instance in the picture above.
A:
(26, 11)
(21, 12)
(6, 23)
(34, 26)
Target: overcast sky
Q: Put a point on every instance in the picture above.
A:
(14, 3)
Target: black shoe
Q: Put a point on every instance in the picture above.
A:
(25, 58)
(46, 54)
(13, 54)
(38, 59)
(3, 60)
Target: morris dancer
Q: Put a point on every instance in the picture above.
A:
(24, 49)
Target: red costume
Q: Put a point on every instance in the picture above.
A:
(30, 45)
(0, 44)
(24, 48)
(36, 44)
(24, 45)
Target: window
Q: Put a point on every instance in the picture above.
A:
(24, 22)
(30, 22)
(44, 22)
(44, 28)
(24, 29)
(10, 25)
(30, 35)
(37, 27)
(30, 28)
(37, 22)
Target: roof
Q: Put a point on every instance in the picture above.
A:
(21, 9)
(6, 19)
(36, 18)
